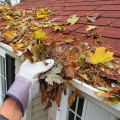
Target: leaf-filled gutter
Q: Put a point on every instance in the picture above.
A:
(26, 31)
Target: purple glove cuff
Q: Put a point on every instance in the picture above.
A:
(20, 91)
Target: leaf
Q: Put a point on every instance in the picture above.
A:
(42, 13)
(90, 27)
(39, 34)
(4, 8)
(27, 54)
(92, 17)
(58, 98)
(72, 20)
(103, 94)
(54, 78)
(100, 40)
(72, 97)
(119, 70)
(107, 88)
(111, 100)
(100, 55)
(35, 52)
(19, 46)
(9, 36)
(84, 76)
(7, 17)
(57, 28)
(69, 71)
(102, 68)
(109, 64)
(44, 96)
(49, 104)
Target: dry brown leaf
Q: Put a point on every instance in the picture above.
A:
(49, 104)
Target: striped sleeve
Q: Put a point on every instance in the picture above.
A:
(20, 91)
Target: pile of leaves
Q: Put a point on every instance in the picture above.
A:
(24, 30)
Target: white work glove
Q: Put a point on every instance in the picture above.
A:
(31, 72)
(26, 84)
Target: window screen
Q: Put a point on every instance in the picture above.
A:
(75, 112)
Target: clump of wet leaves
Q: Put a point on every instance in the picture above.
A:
(96, 66)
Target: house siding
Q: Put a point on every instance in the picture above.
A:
(38, 112)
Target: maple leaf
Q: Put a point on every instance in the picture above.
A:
(39, 34)
(72, 20)
(42, 13)
(100, 55)
(90, 27)
(52, 75)
(57, 28)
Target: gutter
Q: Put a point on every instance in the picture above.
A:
(85, 90)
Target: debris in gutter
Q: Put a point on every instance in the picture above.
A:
(93, 65)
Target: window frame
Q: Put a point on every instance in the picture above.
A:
(2, 93)
(63, 110)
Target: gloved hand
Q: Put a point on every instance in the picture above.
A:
(26, 84)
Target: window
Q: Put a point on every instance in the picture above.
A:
(81, 109)
(7, 73)
(3, 82)
(75, 112)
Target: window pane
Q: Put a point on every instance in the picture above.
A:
(71, 115)
(77, 118)
(80, 106)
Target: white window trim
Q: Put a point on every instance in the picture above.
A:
(2, 54)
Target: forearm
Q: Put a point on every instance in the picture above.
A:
(13, 109)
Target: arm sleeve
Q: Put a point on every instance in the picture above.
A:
(20, 91)
(3, 118)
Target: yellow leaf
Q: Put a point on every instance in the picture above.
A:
(100, 55)
(4, 8)
(19, 46)
(57, 28)
(10, 34)
(39, 34)
(103, 94)
(42, 13)
(73, 19)
(90, 27)
(7, 17)
(111, 100)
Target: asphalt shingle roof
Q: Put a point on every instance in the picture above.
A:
(108, 22)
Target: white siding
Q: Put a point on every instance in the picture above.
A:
(38, 112)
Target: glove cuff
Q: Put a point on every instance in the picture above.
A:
(20, 91)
